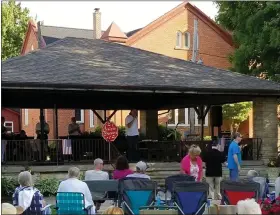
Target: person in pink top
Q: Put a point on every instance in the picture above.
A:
(191, 164)
(122, 168)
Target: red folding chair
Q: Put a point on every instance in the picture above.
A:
(232, 191)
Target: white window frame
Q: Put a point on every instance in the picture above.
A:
(26, 116)
(9, 126)
(176, 118)
(197, 122)
(82, 116)
(91, 119)
(178, 34)
(189, 40)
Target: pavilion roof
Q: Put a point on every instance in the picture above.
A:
(78, 64)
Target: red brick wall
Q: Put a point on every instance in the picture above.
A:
(213, 49)
(13, 117)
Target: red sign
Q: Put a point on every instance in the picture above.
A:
(110, 131)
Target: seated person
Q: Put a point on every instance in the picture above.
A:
(28, 197)
(7, 209)
(248, 206)
(73, 184)
(277, 186)
(141, 168)
(113, 211)
(122, 168)
(97, 174)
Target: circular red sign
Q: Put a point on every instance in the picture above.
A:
(110, 131)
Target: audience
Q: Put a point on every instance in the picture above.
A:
(253, 175)
(122, 168)
(248, 206)
(113, 211)
(28, 197)
(73, 184)
(277, 186)
(97, 174)
(191, 164)
(141, 168)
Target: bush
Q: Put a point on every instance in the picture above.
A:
(8, 186)
(165, 133)
(47, 186)
(207, 138)
(122, 131)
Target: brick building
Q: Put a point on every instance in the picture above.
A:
(170, 35)
(12, 119)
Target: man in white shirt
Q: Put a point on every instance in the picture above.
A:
(37, 148)
(132, 133)
(74, 132)
(141, 168)
(97, 174)
(73, 184)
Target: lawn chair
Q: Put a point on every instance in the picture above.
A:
(103, 189)
(136, 193)
(190, 197)
(233, 191)
(263, 186)
(71, 203)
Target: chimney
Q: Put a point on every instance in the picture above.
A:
(96, 24)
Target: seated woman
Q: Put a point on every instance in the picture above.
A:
(113, 211)
(122, 168)
(28, 197)
(73, 184)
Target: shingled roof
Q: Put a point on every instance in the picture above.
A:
(91, 63)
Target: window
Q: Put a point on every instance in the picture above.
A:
(187, 40)
(91, 119)
(197, 42)
(79, 115)
(178, 116)
(25, 116)
(9, 126)
(179, 39)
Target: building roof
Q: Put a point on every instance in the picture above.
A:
(130, 33)
(135, 36)
(114, 34)
(97, 65)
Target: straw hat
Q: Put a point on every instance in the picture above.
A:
(7, 208)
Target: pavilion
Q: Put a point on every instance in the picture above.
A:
(99, 75)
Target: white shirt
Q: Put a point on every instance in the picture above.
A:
(75, 185)
(194, 170)
(92, 175)
(138, 175)
(133, 130)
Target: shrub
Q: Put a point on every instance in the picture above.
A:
(47, 186)
(8, 186)
(207, 138)
(121, 130)
(165, 133)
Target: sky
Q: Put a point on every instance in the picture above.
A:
(128, 15)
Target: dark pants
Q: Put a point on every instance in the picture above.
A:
(76, 147)
(132, 142)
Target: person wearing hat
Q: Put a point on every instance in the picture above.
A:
(141, 168)
(8, 208)
(234, 157)
(213, 159)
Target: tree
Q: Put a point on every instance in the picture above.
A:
(255, 26)
(236, 113)
(14, 25)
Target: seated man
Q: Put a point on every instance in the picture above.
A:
(141, 168)
(73, 184)
(252, 175)
(97, 174)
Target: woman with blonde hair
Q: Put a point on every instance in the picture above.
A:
(113, 211)
(192, 163)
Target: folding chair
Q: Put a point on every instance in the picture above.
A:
(263, 186)
(190, 197)
(136, 193)
(234, 191)
(104, 189)
(71, 203)
(169, 181)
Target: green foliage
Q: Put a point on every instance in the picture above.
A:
(207, 138)
(47, 186)
(236, 113)
(14, 25)
(8, 186)
(121, 130)
(256, 32)
(166, 133)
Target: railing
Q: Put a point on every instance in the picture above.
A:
(57, 151)
(86, 150)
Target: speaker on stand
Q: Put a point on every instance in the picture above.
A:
(216, 119)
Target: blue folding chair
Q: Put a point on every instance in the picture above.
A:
(190, 197)
(71, 203)
(136, 193)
